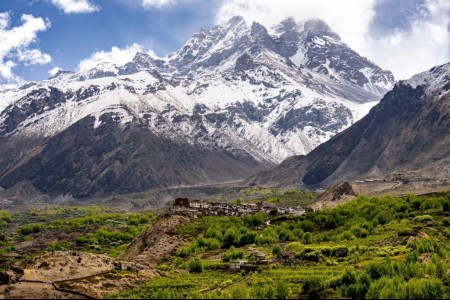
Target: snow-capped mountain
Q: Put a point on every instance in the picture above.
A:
(404, 137)
(245, 95)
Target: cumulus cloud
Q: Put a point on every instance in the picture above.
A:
(405, 52)
(33, 57)
(15, 44)
(75, 6)
(116, 56)
(157, 3)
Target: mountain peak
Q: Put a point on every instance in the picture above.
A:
(318, 26)
(288, 24)
(236, 20)
(435, 79)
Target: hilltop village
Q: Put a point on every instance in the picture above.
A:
(184, 205)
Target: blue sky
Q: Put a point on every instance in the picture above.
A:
(75, 36)
(36, 36)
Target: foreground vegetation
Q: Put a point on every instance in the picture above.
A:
(91, 228)
(369, 248)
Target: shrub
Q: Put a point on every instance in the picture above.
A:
(281, 290)
(30, 229)
(426, 245)
(5, 218)
(313, 287)
(276, 249)
(423, 218)
(231, 238)
(307, 238)
(446, 206)
(196, 266)
(233, 254)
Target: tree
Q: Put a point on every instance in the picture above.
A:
(231, 238)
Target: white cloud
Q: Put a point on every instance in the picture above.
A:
(157, 3)
(15, 43)
(75, 6)
(7, 73)
(116, 56)
(33, 57)
(427, 44)
(403, 52)
(53, 71)
(349, 18)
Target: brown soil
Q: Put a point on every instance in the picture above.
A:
(159, 243)
(65, 265)
(110, 283)
(31, 290)
(337, 194)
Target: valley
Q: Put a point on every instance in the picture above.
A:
(361, 248)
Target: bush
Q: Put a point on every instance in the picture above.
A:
(179, 263)
(233, 254)
(196, 266)
(307, 238)
(314, 287)
(30, 229)
(56, 247)
(397, 288)
(423, 218)
(231, 238)
(276, 249)
(426, 245)
(446, 206)
(281, 290)
(5, 218)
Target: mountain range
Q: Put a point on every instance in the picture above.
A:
(234, 100)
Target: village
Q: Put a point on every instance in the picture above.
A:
(224, 209)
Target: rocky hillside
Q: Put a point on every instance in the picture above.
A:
(408, 131)
(236, 99)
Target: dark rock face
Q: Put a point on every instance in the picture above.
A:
(407, 131)
(244, 63)
(287, 43)
(317, 115)
(85, 161)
